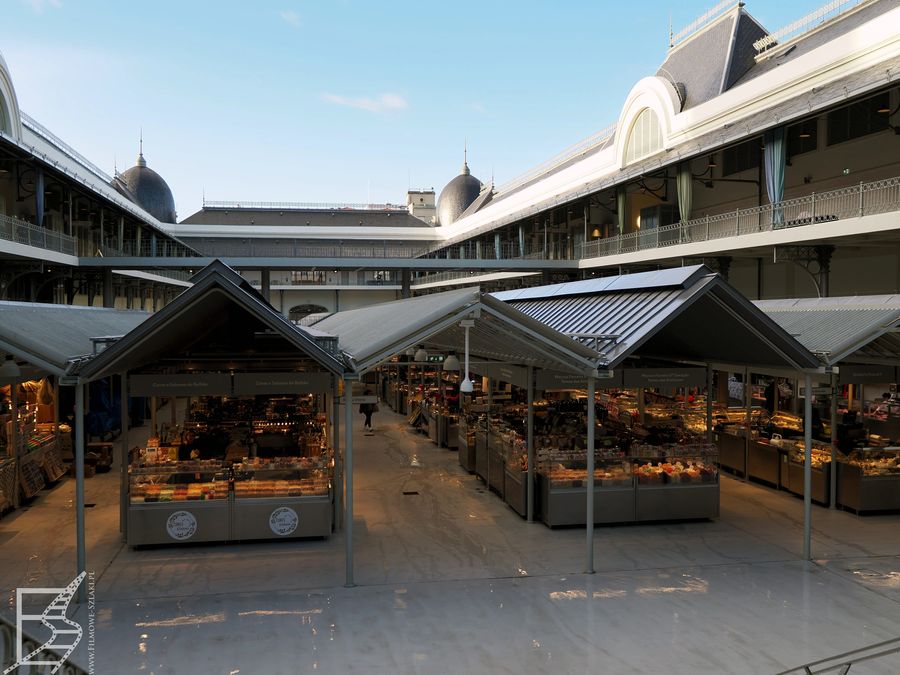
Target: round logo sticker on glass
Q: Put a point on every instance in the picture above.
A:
(284, 521)
(181, 525)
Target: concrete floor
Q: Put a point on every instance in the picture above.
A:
(452, 581)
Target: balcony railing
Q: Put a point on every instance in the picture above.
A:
(509, 250)
(301, 249)
(865, 199)
(23, 232)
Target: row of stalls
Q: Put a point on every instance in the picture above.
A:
(260, 451)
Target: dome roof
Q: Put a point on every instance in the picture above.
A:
(457, 196)
(149, 190)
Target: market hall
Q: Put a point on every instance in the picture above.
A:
(603, 329)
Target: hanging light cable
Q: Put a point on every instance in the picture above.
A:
(466, 385)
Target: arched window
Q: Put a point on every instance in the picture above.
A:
(299, 311)
(645, 137)
(5, 122)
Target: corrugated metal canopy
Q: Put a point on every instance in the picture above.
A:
(689, 314)
(371, 335)
(856, 328)
(48, 336)
(219, 298)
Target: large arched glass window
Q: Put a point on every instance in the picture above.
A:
(645, 137)
(5, 122)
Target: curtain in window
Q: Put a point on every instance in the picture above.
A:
(620, 207)
(774, 158)
(685, 190)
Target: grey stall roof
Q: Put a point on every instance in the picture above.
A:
(45, 337)
(684, 314)
(216, 289)
(860, 329)
(372, 334)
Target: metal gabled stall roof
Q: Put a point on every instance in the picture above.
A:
(44, 338)
(215, 290)
(681, 314)
(861, 329)
(371, 335)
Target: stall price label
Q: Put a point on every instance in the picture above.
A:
(284, 521)
(181, 525)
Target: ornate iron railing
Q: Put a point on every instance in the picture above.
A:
(23, 232)
(865, 199)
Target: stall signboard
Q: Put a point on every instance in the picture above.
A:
(556, 379)
(246, 384)
(514, 375)
(664, 378)
(193, 384)
(863, 374)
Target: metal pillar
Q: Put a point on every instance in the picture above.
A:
(266, 281)
(173, 415)
(348, 479)
(833, 486)
(123, 455)
(338, 463)
(153, 429)
(109, 298)
(748, 402)
(807, 469)
(405, 281)
(589, 515)
(530, 439)
(709, 404)
(14, 438)
(79, 488)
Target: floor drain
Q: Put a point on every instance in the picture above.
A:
(411, 492)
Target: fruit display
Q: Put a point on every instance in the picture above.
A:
(678, 471)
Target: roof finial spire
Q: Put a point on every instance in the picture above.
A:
(465, 167)
(140, 160)
(671, 32)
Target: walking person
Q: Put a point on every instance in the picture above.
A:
(368, 409)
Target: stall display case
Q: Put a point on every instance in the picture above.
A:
(515, 489)
(562, 481)
(683, 487)
(240, 470)
(176, 502)
(764, 462)
(466, 434)
(282, 497)
(731, 436)
(496, 456)
(869, 480)
(793, 462)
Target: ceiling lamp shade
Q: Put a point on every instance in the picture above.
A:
(411, 352)
(9, 369)
(451, 363)
(466, 386)
(421, 355)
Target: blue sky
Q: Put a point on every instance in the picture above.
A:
(341, 100)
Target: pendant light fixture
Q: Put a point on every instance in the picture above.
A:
(421, 355)
(10, 369)
(451, 363)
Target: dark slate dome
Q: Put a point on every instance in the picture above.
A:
(457, 196)
(149, 190)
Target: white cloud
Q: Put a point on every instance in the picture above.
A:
(291, 17)
(381, 103)
(40, 5)
(477, 107)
